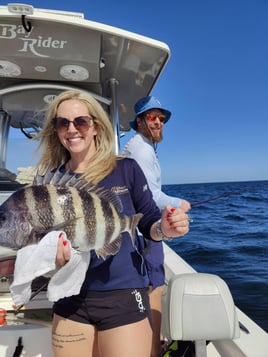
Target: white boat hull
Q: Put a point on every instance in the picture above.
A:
(36, 340)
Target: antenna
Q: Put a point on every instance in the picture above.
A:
(23, 10)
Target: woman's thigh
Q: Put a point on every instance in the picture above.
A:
(71, 338)
(133, 340)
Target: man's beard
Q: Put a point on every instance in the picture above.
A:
(157, 137)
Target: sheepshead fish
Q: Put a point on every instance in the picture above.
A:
(91, 216)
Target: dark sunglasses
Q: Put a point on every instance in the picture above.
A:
(82, 123)
(151, 117)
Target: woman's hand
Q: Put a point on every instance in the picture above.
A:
(63, 251)
(174, 223)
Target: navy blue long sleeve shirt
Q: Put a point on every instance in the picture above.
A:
(126, 269)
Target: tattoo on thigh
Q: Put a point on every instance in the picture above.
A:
(58, 340)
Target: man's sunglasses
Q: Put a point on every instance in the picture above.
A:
(152, 117)
(82, 123)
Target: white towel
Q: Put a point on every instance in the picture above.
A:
(39, 259)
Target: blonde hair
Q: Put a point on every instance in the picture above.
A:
(55, 154)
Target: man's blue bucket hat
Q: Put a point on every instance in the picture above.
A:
(145, 104)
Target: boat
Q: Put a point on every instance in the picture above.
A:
(44, 52)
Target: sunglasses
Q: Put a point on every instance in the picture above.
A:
(82, 123)
(151, 117)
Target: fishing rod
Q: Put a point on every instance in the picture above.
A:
(190, 219)
(34, 293)
(216, 198)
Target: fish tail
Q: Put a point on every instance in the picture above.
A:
(134, 220)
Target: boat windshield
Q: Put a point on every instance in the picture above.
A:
(18, 164)
(21, 151)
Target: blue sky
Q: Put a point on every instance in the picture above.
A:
(215, 84)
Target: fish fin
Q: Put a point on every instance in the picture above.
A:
(134, 220)
(66, 178)
(43, 179)
(56, 177)
(61, 226)
(111, 197)
(36, 235)
(109, 249)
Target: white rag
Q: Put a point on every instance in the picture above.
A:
(39, 259)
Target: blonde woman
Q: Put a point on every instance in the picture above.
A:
(111, 315)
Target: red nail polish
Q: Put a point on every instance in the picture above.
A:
(60, 235)
(64, 243)
(172, 210)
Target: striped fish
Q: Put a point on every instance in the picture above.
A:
(91, 216)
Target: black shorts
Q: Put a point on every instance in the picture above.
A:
(106, 309)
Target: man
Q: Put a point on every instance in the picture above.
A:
(148, 122)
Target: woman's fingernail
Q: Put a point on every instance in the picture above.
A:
(65, 243)
(172, 210)
(60, 235)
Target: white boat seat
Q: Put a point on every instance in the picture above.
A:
(199, 307)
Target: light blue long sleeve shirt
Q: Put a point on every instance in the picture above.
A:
(142, 150)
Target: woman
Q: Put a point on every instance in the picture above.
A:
(111, 315)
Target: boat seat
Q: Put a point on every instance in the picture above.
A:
(198, 307)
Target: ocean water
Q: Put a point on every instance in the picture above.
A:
(229, 237)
